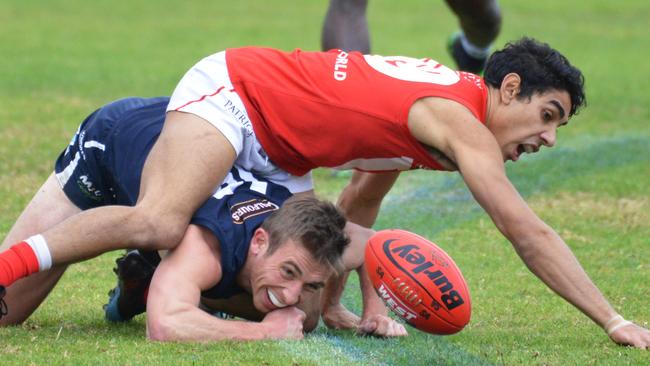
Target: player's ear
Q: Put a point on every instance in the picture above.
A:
(510, 86)
(259, 242)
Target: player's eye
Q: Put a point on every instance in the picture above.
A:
(288, 272)
(312, 287)
(547, 116)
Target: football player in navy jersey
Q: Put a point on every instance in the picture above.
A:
(240, 240)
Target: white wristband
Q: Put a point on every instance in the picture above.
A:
(615, 323)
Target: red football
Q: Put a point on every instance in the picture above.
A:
(418, 281)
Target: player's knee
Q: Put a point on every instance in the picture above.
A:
(350, 6)
(490, 20)
(484, 17)
(158, 231)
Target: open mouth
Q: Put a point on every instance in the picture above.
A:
(274, 300)
(524, 148)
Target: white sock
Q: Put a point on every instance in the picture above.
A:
(473, 50)
(40, 248)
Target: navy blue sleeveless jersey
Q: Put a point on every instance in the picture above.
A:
(103, 164)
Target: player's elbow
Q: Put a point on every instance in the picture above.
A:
(531, 244)
(160, 328)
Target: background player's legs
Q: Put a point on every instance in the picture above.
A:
(346, 26)
(48, 207)
(480, 20)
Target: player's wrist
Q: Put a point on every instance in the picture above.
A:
(615, 323)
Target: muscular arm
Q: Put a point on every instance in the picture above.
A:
(175, 292)
(471, 146)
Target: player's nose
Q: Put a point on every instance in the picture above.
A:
(292, 293)
(549, 137)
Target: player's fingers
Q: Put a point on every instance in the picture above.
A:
(401, 330)
(398, 329)
(392, 328)
(384, 329)
(368, 326)
(299, 314)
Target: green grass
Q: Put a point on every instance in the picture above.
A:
(61, 59)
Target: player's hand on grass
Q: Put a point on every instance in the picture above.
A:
(382, 326)
(632, 335)
(338, 317)
(285, 323)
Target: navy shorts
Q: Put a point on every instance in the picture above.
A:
(103, 163)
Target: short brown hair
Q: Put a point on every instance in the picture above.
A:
(317, 225)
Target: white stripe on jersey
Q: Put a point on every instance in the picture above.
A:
(378, 164)
(99, 145)
(256, 185)
(67, 172)
(231, 184)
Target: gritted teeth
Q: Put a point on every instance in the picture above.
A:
(274, 300)
(529, 149)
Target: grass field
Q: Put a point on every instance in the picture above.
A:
(61, 59)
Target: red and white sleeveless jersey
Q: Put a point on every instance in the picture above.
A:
(343, 110)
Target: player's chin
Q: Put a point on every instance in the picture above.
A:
(262, 303)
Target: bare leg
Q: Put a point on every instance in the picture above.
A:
(346, 26)
(480, 20)
(48, 207)
(189, 159)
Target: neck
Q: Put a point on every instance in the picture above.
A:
(492, 100)
(243, 278)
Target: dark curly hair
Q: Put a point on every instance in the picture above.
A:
(317, 225)
(541, 69)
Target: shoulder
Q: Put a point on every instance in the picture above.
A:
(202, 246)
(441, 124)
(439, 116)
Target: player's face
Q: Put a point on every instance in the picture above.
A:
(525, 125)
(285, 277)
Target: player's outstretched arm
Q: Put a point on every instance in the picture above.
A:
(174, 295)
(472, 147)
